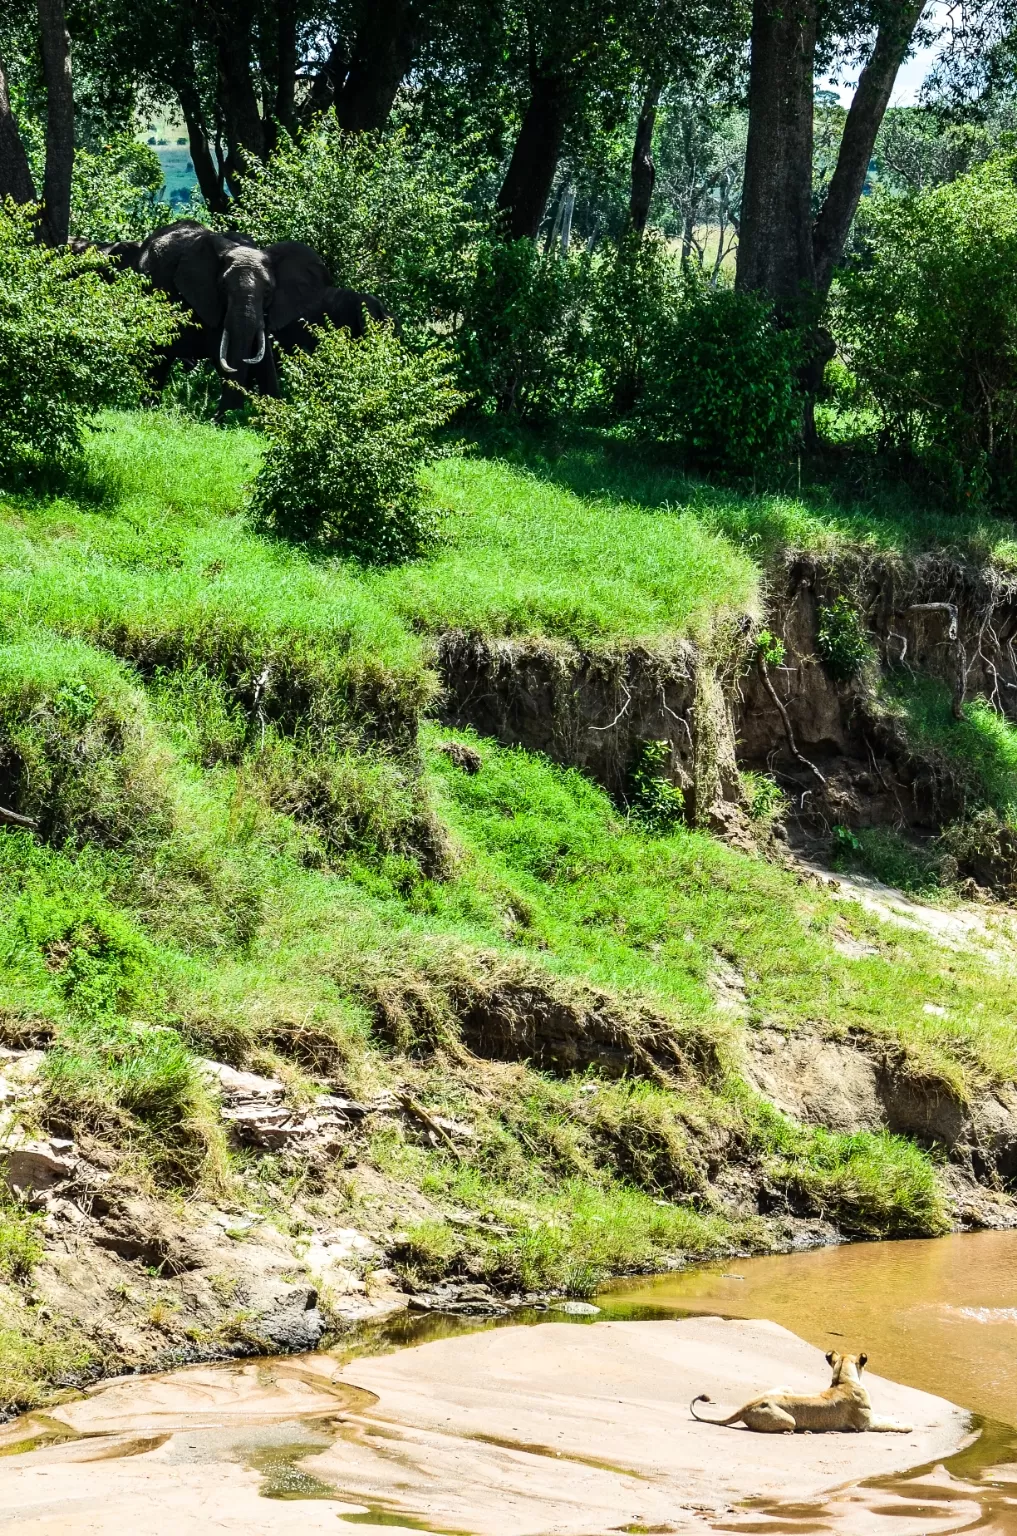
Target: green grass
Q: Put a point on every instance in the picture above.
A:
(525, 557)
(259, 878)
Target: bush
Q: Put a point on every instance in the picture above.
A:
(638, 287)
(345, 450)
(386, 216)
(114, 194)
(721, 380)
(524, 343)
(73, 340)
(842, 639)
(927, 320)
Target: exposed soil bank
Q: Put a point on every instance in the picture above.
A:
(512, 1432)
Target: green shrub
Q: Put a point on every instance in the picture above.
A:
(345, 450)
(653, 799)
(638, 286)
(842, 639)
(524, 342)
(388, 217)
(927, 320)
(73, 340)
(114, 194)
(721, 380)
(20, 1239)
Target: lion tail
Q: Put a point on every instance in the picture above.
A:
(732, 1418)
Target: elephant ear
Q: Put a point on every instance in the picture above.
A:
(197, 280)
(301, 278)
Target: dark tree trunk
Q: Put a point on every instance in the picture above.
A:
(871, 98)
(528, 180)
(238, 101)
(210, 180)
(382, 55)
(775, 256)
(56, 65)
(15, 173)
(286, 66)
(644, 172)
(328, 81)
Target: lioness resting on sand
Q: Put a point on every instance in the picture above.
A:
(845, 1405)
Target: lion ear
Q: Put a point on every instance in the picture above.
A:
(862, 1360)
(829, 1357)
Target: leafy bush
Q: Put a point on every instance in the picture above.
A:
(114, 194)
(345, 450)
(73, 339)
(524, 342)
(721, 380)
(927, 319)
(842, 639)
(386, 216)
(637, 287)
(653, 799)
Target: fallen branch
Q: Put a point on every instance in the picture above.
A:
(412, 1107)
(12, 819)
(771, 690)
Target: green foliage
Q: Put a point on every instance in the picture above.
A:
(721, 380)
(927, 319)
(638, 285)
(766, 800)
(77, 751)
(653, 799)
(842, 639)
(114, 191)
(387, 216)
(872, 1184)
(891, 858)
(345, 449)
(771, 648)
(73, 340)
(524, 342)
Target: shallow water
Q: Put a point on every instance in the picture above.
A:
(939, 1315)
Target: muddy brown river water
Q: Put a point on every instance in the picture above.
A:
(572, 1425)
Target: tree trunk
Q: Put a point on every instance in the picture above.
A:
(568, 209)
(238, 101)
(382, 56)
(15, 173)
(644, 172)
(528, 180)
(56, 65)
(775, 255)
(871, 98)
(327, 83)
(286, 66)
(210, 180)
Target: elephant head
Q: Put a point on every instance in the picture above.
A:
(238, 291)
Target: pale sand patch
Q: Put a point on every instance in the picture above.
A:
(519, 1431)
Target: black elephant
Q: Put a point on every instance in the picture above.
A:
(344, 307)
(124, 254)
(239, 295)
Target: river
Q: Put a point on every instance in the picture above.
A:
(939, 1316)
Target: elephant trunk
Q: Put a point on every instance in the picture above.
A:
(243, 333)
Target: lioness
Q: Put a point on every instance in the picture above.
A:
(844, 1405)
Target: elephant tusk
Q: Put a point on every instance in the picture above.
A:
(223, 364)
(261, 353)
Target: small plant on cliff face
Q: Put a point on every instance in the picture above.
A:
(842, 640)
(20, 1241)
(653, 799)
(770, 649)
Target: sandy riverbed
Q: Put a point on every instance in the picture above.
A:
(551, 1429)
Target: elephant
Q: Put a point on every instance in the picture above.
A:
(344, 307)
(124, 254)
(238, 293)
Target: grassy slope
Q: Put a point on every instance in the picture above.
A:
(276, 927)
